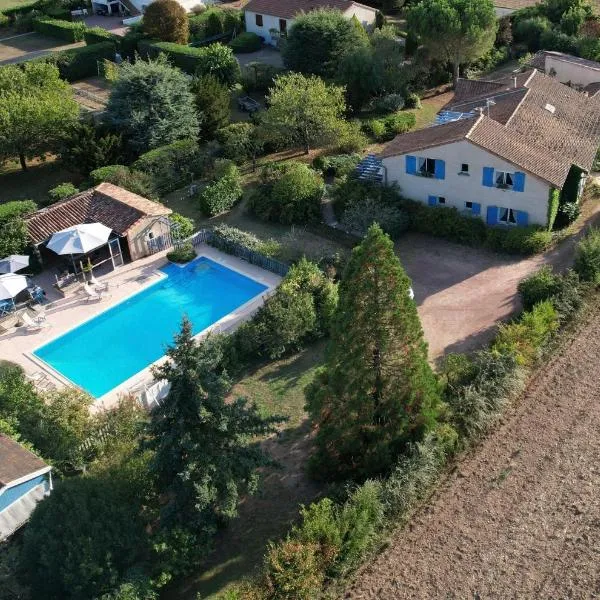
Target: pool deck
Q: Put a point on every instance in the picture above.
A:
(64, 314)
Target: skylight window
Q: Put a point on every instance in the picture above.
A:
(550, 108)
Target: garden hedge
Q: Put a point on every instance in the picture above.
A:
(63, 30)
(97, 35)
(246, 42)
(188, 59)
(79, 63)
(22, 9)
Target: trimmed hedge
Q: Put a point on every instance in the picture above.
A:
(63, 30)
(79, 63)
(97, 35)
(23, 9)
(246, 42)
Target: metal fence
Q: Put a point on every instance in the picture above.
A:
(206, 236)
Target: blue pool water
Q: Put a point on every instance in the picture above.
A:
(115, 345)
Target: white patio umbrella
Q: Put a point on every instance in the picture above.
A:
(79, 239)
(14, 262)
(11, 285)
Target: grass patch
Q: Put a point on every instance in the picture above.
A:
(276, 387)
(34, 183)
(4, 4)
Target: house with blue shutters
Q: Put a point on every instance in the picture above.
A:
(25, 479)
(501, 149)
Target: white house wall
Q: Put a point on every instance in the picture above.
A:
(458, 189)
(269, 22)
(574, 73)
(365, 15)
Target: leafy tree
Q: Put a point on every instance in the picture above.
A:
(224, 191)
(167, 21)
(151, 103)
(458, 30)
(241, 141)
(181, 227)
(13, 230)
(87, 148)
(36, 108)
(377, 392)
(204, 456)
(219, 60)
(212, 103)
(62, 191)
(305, 110)
(137, 182)
(555, 10)
(319, 39)
(359, 73)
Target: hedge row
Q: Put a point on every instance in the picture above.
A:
(78, 63)
(97, 35)
(63, 30)
(186, 58)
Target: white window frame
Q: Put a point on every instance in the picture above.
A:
(504, 176)
(509, 212)
(422, 163)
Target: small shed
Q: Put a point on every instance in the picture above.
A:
(25, 479)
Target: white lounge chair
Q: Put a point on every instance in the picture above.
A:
(34, 324)
(99, 286)
(91, 293)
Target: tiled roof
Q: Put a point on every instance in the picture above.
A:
(288, 9)
(16, 461)
(544, 127)
(539, 60)
(106, 203)
(592, 89)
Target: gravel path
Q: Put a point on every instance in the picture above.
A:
(520, 517)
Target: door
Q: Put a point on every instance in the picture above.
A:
(114, 247)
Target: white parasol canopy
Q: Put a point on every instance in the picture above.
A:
(11, 285)
(79, 239)
(14, 262)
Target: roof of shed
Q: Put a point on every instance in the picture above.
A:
(108, 204)
(288, 9)
(543, 127)
(16, 461)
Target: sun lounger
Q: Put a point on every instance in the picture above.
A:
(34, 324)
(91, 293)
(99, 286)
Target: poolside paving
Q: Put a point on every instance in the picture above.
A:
(64, 314)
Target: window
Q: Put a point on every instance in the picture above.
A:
(508, 216)
(464, 169)
(426, 167)
(504, 180)
(469, 205)
(441, 200)
(282, 25)
(259, 20)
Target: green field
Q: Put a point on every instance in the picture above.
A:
(4, 4)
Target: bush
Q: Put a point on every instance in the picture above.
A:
(246, 42)
(350, 138)
(213, 21)
(97, 35)
(568, 213)
(239, 141)
(389, 127)
(224, 191)
(62, 191)
(63, 30)
(525, 339)
(258, 77)
(522, 240)
(4, 20)
(133, 181)
(540, 286)
(587, 257)
(529, 31)
(361, 214)
(173, 165)
(78, 63)
(376, 129)
(337, 165)
(558, 41)
(232, 235)
(290, 193)
(182, 254)
(389, 103)
(181, 227)
(413, 101)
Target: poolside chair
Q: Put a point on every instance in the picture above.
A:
(34, 324)
(91, 293)
(99, 286)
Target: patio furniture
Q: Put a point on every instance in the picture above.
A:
(9, 322)
(91, 293)
(34, 324)
(99, 286)
(14, 263)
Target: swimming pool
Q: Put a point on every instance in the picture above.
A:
(107, 350)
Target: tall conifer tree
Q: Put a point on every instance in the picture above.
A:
(377, 392)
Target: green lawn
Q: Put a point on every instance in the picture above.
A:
(277, 387)
(4, 4)
(34, 183)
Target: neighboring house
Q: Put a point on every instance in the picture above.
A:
(507, 7)
(573, 71)
(140, 226)
(272, 19)
(506, 144)
(24, 480)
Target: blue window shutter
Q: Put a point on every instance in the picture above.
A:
(411, 165)
(522, 218)
(492, 215)
(432, 200)
(440, 169)
(519, 182)
(488, 176)
(476, 210)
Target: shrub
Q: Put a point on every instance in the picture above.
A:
(529, 31)
(569, 212)
(337, 164)
(587, 257)
(399, 123)
(212, 101)
(4, 20)
(232, 235)
(239, 141)
(540, 286)
(224, 191)
(350, 138)
(524, 240)
(172, 165)
(246, 42)
(78, 63)
(182, 254)
(291, 193)
(213, 21)
(63, 30)
(62, 191)
(361, 214)
(413, 101)
(167, 21)
(389, 103)
(97, 35)
(376, 129)
(525, 339)
(258, 77)
(181, 227)
(558, 41)
(133, 181)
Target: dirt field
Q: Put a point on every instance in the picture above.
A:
(520, 517)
